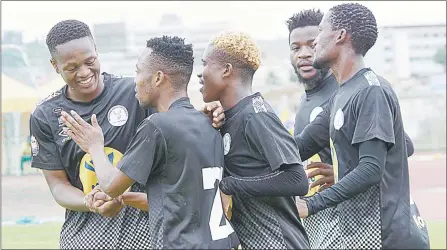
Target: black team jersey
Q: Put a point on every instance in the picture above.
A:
(256, 144)
(378, 215)
(119, 114)
(178, 156)
(322, 227)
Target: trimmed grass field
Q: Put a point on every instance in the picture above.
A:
(46, 236)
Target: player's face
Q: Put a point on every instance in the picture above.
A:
(302, 54)
(146, 93)
(326, 49)
(77, 62)
(211, 77)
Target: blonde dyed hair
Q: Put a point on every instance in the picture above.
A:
(240, 46)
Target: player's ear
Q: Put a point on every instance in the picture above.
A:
(341, 35)
(228, 70)
(54, 64)
(159, 77)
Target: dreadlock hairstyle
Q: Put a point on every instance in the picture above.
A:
(359, 22)
(66, 31)
(172, 56)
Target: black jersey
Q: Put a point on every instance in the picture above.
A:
(365, 108)
(119, 114)
(322, 227)
(178, 156)
(256, 144)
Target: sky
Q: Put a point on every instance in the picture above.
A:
(262, 19)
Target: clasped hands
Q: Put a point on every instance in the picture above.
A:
(99, 202)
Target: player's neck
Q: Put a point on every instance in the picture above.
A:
(165, 100)
(233, 94)
(347, 66)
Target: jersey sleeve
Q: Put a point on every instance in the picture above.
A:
(43, 147)
(144, 153)
(373, 113)
(315, 136)
(266, 135)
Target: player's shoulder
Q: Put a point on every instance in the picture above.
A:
(120, 78)
(259, 110)
(150, 123)
(121, 82)
(255, 104)
(376, 84)
(49, 104)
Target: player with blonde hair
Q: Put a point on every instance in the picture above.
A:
(263, 169)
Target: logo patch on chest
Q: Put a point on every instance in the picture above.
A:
(227, 143)
(339, 119)
(118, 115)
(315, 112)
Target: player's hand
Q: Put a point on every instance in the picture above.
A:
(323, 169)
(89, 198)
(227, 204)
(301, 205)
(106, 205)
(215, 112)
(85, 135)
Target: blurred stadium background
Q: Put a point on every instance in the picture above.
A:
(412, 58)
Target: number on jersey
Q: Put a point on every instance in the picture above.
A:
(210, 175)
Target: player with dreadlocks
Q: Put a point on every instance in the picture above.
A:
(70, 172)
(362, 123)
(263, 170)
(180, 166)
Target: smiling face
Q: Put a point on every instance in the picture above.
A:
(302, 53)
(77, 62)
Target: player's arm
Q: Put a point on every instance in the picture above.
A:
(373, 135)
(409, 144)
(46, 158)
(315, 136)
(145, 150)
(266, 135)
(135, 199)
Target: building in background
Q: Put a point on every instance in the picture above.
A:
(402, 52)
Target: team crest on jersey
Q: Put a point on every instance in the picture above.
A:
(339, 119)
(227, 143)
(117, 115)
(87, 172)
(258, 104)
(315, 112)
(34, 146)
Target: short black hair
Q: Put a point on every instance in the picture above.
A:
(310, 17)
(172, 56)
(66, 31)
(359, 22)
